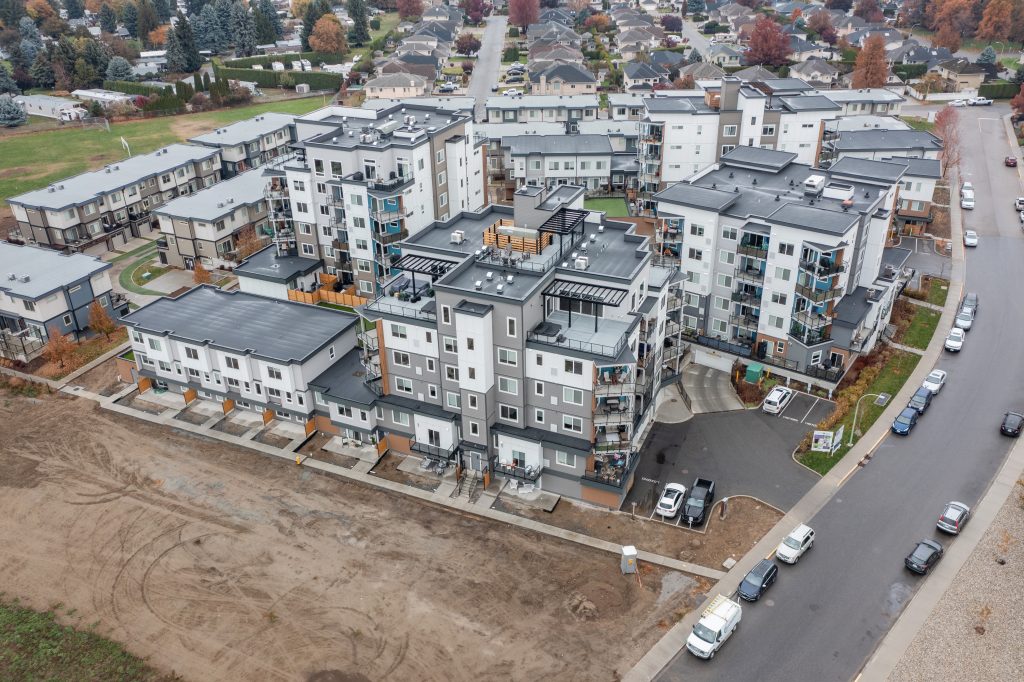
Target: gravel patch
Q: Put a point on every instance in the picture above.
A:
(976, 631)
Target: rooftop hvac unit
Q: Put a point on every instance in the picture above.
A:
(24, 279)
(814, 184)
(458, 236)
(478, 285)
(499, 288)
(600, 228)
(583, 247)
(510, 279)
(490, 276)
(11, 276)
(593, 237)
(581, 263)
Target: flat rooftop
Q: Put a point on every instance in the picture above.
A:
(47, 270)
(882, 140)
(245, 131)
(577, 145)
(542, 102)
(243, 323)
(267, 265)
(219, 200)
(344, 380)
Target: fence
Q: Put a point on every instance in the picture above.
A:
(317, 80)
(326, 296)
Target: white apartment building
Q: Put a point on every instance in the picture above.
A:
(783, 263)
(541, 108)
(251, 143)
(365, 179)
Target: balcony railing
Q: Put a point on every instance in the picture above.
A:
(433, 451)
(751, 275)
(811, 319)
(392, 237)
(386, 215)
(394, 184)
(809, 336)
(746, 298)
(753, 250)
(161, 244)
(744, 321)
(584, 346)
(819, 295)
(24, 345)
(822, 268)
(614, 476)
(401, 310)
(368, 340)
(515, 471)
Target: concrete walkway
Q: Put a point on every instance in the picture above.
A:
(923, 304)
(710, 390)
(908, 349)
(673, 642)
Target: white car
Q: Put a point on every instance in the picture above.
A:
(979, 101)
(1018, 203)
(970, 238)
(935, 380)
(958, 103)
(967, 187)
(955, 340)
(964, 320)
(1021, 216)
(777, 399)
(511, 92)
(671, 500)
(966, 198)
(794, 545)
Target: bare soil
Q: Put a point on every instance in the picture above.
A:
(314, 448)
(192, 417)
(219, 564)
(387, 468)
(940, 225)
(133, 400)
(101, 379)
(747, 522)
(233, 428)
(268, 438)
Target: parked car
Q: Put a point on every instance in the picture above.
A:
(955, 340)
(671, 500)
(1010, 161)
(758, 580)
(970, 238)
(1018, 203)
(905, 421)
(702, 494)
(958, 103)
(935, 380)
(494, 88)
(921, 400)
(447, 87)
(964, 319)
(1012, 424)
(512, 92)
(513, 79)
(1021, 217)
(925, 555)
(967, 200)
(953, 518)
(970, 300)
(979, 102)
(777, 399)
(717, 623)
(967, 187)
(794, 545)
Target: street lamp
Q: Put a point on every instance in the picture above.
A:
(880, 399)
(1001, 45)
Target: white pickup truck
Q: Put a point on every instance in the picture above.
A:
(717, 623)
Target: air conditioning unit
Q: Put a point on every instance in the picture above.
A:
(581, 263)
(458, 236)
(24, 279)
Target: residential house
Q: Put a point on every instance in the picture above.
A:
(425, 66)
(960, 74)
(552, 33)
(641, 76)
(546, 161)
(107, 98)
(626, 106)
(444, 13)
(816, 72)
(557, 15)
(398, 86)
(724, 55)
(100, 210)
(892, 37)
(272, 273)
(801, 49)
(45, 292)
(879, 101)
(250, 143)
(563, 79)
(917, 190)
(913, 52)
(755, 73)
(542, 56)
(702, 71)
(246, 351)
(633, 42)
(668, 60)
(444, 31)
(784, 263)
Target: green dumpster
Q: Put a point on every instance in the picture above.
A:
(754, 372)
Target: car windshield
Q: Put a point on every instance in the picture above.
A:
(705, 633)
(1013, 420)
(935, 377)
(903, 419)
(923, 552)
(695, 502)
(791, 542)
(751, 583)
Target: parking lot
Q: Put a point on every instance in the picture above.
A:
(745, 452)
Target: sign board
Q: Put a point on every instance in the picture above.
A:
(837, 440)
(821, 441)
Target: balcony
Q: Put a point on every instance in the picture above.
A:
(528, 473)
(811, 319)
(819, 295)
(392, 185)
(339, 245)
(748, 321)
(368, 340)
(392, 237)
(161, 244)
(809, 336)
(386, 215)
(752, 249)
(612, 473)
(747, 298)
(822, 267)
(22, 346)
(750, 276)
(435, 452)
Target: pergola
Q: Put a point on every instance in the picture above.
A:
(567, 221)
(580, 291)
(423, 265)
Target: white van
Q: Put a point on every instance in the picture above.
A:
(717, 623)
(967, 199)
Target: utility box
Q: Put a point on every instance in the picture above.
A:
(628, 559)
(754, 372)
(302, 88)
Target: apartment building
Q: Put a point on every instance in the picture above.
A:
(541, 108)
(44, 292)
(880, 143)
(268, 272)
(523, 341)
(96, 212)
(258, 353)
(783, 263)
(364, 179)
(917, 190)
(251, 143)
(208, 225)
(680, 136)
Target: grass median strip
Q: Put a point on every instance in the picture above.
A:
(127, 277)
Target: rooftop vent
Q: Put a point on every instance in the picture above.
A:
(730, 174)
(754, 181)
(11, 276)
(499, 288)
(478, 285)
(510, 279)
(778, 197)
(593, 237)
(24, 279)
(490, 276)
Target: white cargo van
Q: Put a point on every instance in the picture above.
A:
(717, 623)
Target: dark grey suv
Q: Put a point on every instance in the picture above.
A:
(758, 580)
(921, 400)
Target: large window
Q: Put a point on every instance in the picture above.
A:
(508, 385)
(403, 385)
(508, 413)
(573, 396)
(401, 358)
(507, 356)
(574, 424)
(574, 367)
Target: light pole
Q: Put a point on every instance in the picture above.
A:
(856, 409)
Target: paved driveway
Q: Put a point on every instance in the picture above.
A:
(488, 63)
(710, 390)
(745, 452)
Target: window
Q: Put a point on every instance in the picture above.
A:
(430, 364)
(442, 200)
(451, 373)
(403, 385)
(472, 402)
(400, 418)
(727, 257)
(318, 397)
(469, 344)
(232, 383)
(816, 357)
(782, 273)
(778, 298)
(307, 250)
(724, 281)
(274, 373)
(191, 353)
(472, 372)
(574, 367)
(230, 362)
(540, 360)
(565, 459)
(574, 424)
(399, 331)
(154, 344)
(508, 385)
(432, 391)
(446, 314)
(509, 357)
(450, 345)
(510, 326)
(330, 352)
(786, 249)
(573, 396)
(29, 305)
(697, 230)
(695, 254)
(729, 233)
(538, 388)
(718, 326)
(193, 372)
(67, 320)
(730, 131)
(775, 321)
(767, 131)
(453, 399)
(508, 413)
(401, 358)
(726, 148)
(474, 429)
(442, 178)
(721, 303)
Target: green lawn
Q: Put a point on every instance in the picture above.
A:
(389, 21)
(918, 123)
(147, 273)
(127, 276)
(35, 160)
(890, 380)
(938, 290)
(34, 646)
(922, 328)
(614, 207)
(335, 306)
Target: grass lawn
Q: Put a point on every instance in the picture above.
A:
(389, 21)
(147, 273)
(133, 253)
(890, 380)
(918, 123)
(128, 355)
(34, 646)
(938, 290)
(127, 276)
(35, 160)
(614, 207)
(922, 328)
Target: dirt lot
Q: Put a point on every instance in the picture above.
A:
(220, 564)
(747, 522)
(314, 447)
(101, 379)
(387, 468)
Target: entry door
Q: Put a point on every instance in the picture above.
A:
(836, 360)
(434, 438)
(190, 263)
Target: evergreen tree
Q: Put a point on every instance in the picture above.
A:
(7, 84)
(186, 58)
(163, 10)
(268, 10)
(119, 69)
(265, 33)
(195, 6)
(314, 10)
(147, 19)
(62, 56)
(987, 56)
(85, 75)
(27, 51)
(1018, 76)
(96, 54)
(223, 9)
(695, 6)
(206, 82)
(11, 114)
(108, 19)
(75, 8)
(11, 11)
(130, 19)
(243, 30)
(209, 35)
(28, 31)
(360, 32)
(42, 72)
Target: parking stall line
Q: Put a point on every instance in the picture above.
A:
(810, 410)
(792, 419)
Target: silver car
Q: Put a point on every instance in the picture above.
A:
(954, 517)
(964, 320)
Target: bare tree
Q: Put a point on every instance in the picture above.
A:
(948, 130)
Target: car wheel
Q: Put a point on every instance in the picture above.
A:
(712, 655)
(796, 559)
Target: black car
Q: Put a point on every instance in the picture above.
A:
(924, 557)
(921, 400)
(758, 580)
(702, 494)
(905, 421)
(1012, 424)
(970, 301)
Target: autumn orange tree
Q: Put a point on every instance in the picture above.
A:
(59, 349)
(200, 275)
(410, 8)
(996, 20)
(871, 69)
(768, 44)
(247, 243)
(100, 320)
(947, 129)
(328, 36)
(952, 20)
(522, 13)
(868, 10)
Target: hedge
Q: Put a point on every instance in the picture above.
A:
(286, 59)
(998, 90)
(130, 88)
(908, 71)
(317, 80)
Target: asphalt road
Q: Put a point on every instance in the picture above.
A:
(825, 616)
(697, 39)
(488, 63)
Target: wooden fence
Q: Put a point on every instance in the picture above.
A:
(327, 296)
